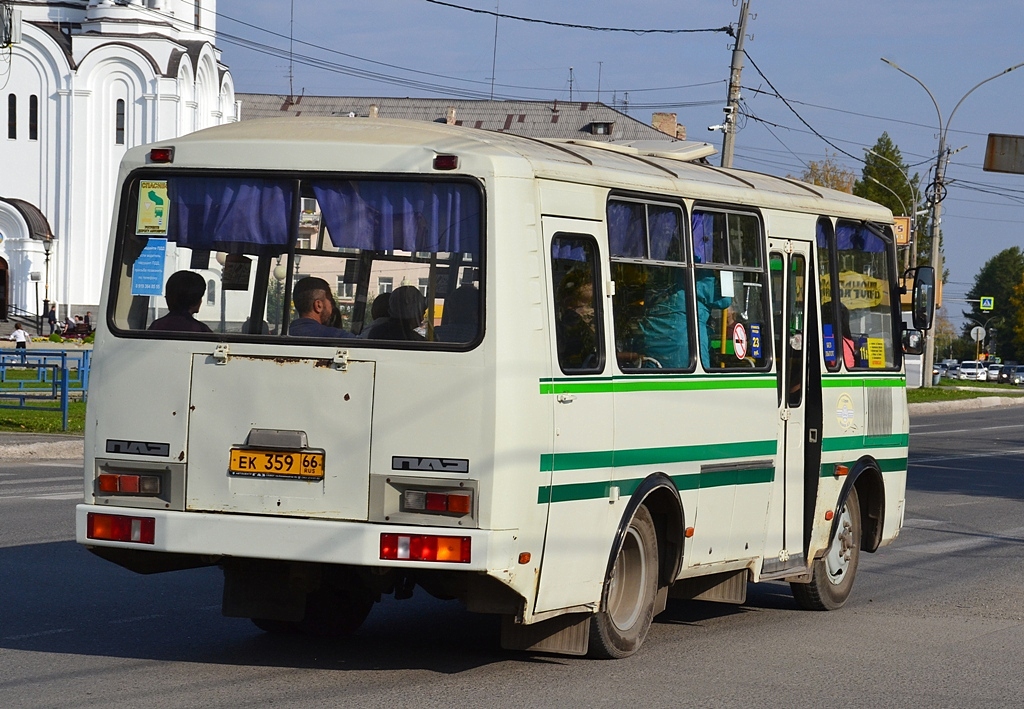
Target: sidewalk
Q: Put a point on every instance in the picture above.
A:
(39, 446)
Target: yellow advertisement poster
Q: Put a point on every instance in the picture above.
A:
(876, 353)
(860, 291)
(153, 208)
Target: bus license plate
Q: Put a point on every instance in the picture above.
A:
(277, 464)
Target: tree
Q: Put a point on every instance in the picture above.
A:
(829, 173)
(886, 180)
(1001, 278)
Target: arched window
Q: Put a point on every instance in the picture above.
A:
(33, 118)
(211, 292)
(119, 127)
(12, 116)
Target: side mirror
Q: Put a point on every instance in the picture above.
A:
(913, 342)
(923, 299)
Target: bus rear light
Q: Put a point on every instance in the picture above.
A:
(115, 483)
(424, 547)
(161, 155)
(446, 162)
(440, 502)
(119, 528)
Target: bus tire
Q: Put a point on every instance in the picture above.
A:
(833, 574)
(629, 592)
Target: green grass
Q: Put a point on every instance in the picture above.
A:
(955, 390)
(34, 421)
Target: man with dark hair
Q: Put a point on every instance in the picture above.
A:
(315, 306)
(185, 291)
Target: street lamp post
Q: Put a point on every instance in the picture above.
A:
(938, 192)
(47, 246)
(912, 256)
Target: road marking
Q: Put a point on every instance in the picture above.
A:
(965, 430)
(36, 481)
(56, 465)
(964, 456)
(138, 618)
(973, 540)
(26, 636)
(925, 523)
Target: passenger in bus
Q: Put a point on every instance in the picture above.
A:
(709, 297)
(849, 346)
(460, 315)
(663, 327)
(184, 293)
(405, 313)
(315, 306)
(379, 311)
(576, 330)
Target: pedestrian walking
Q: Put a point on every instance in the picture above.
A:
(51, 317)
(20, 338)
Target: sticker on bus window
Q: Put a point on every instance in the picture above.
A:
(876, 353)
(755, 340)
(739, 341)
(235, 273)
(153, 208)
(828, 344)
(148, 269)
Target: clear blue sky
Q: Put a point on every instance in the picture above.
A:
(822, 55)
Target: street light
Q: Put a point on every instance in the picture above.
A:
(912, 258)
(938, 190)
(47, 245)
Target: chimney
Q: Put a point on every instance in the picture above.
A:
(665, 122)
(373, 110)
(450, 118)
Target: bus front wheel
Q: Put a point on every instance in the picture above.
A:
(833, 574)
(629, 592)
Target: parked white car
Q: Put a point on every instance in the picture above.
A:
(993, 372)
(973, 370)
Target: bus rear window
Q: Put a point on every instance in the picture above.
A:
(210, 256)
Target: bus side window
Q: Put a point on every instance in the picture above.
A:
(831, 336)
(576, 287)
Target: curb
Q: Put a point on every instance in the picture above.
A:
(981, 402)
(48, 450)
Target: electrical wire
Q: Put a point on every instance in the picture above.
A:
(727, 29)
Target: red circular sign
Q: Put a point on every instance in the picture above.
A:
(739, 341)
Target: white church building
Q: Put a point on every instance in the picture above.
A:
(80, 83)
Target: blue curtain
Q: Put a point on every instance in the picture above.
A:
(406, 216)
(665, 237)
(856, 237)
(230, 214)
(703, 236)
(626, 235)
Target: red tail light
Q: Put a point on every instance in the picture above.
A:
(120, 528)
(424, 547)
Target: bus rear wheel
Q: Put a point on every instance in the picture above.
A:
(629, 593)
(833, 574)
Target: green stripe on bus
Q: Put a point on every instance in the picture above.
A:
(885, 465)
(575, 492)
(895, 382)
(848, 443)
(655, 456)
(634, 384)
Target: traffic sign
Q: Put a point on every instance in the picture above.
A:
(977, 333)
(988, 302)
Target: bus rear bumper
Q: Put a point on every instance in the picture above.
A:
(294, 539)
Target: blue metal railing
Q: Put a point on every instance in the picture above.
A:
(57, 374)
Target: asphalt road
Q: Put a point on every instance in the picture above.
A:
(935, 620)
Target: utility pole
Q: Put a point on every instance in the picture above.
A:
(732, 107)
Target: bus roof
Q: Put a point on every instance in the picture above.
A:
(402, 146)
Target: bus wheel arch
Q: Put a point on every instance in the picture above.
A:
(867, 480)
(643, 561)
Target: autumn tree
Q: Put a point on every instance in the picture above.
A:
(829, 173)
(1001, 278)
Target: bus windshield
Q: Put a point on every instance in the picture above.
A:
(214, 256)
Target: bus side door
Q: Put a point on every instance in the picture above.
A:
(575, 550)
(788, 265)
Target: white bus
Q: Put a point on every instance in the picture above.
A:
(574, 379)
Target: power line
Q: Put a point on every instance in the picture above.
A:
(727, 29)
